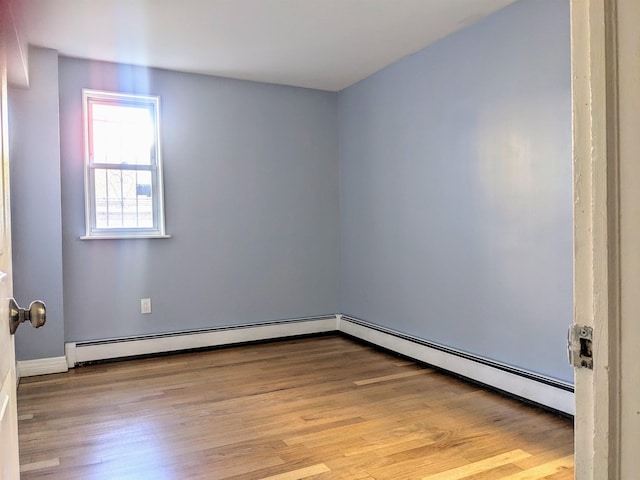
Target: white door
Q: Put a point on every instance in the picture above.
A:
(606, 104)
(9, 464)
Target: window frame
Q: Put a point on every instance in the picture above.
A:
(92, 231)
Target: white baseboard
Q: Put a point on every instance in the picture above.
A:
(543, 390)
(40, 366)
(81, 352)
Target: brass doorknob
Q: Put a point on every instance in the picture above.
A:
(36, 314)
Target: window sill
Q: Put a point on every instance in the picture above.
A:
(122, 237)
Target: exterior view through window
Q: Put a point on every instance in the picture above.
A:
(123, 170)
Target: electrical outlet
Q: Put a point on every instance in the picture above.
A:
(145, 305)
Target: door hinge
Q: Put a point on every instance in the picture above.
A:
(579, 346)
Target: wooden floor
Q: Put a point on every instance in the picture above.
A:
(313, 408)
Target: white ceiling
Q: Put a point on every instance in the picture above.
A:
(323, 44)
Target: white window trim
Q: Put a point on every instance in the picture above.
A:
(91, 231)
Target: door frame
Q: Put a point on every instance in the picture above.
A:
(606, 181)
(595, 234)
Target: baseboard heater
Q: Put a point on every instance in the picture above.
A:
(546, 391)
(78, 353)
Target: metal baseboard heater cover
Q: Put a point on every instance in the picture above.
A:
(545, 391)
(96, 350)
(468, 356)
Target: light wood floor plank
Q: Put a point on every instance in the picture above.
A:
(544, 470)
(29, 467)
(480, 466)
(300, 473)
(395, 376)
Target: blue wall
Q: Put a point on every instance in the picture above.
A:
(35, 204)
(251, 193)
(456, 204)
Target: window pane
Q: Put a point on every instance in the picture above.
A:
(123, 198)
(122, 134)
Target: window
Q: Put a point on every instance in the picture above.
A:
(123, 167)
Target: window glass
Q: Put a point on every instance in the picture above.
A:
(123, 199)
(122, 134)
